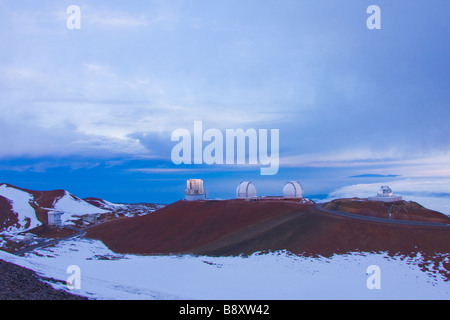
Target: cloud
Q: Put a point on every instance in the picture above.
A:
(116, 19)
(345, 157)
(373, 161)
(18, 141)
(49, 19)
(132, 17)
(161, 170)
(136, 72)
(98, 69)
(18, 74)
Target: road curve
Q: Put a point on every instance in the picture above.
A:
(320, 207)
(80, 233)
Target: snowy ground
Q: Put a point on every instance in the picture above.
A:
(276, 276)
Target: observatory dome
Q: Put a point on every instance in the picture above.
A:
(385, 191)
(245, 189)
(385, 194)
(293, 189)
(195, 190)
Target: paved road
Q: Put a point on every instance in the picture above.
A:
(80, 233)
(320, 207)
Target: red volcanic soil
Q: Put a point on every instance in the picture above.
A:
(187, 226)
(7, 216)
(234, 227)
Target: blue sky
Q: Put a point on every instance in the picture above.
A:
(92, 110)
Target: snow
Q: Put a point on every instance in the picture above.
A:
(114, 205)
(273, 276)
(20, 202)
(433, 194)
(73, 206)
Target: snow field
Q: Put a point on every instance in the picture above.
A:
(274, 276)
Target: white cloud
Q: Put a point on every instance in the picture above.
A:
(160, 170)
(162, 81)
(349, 157)
(115, 19)
(98, 69)
(381, 161)
(80, 111)
(34, 141)
(50, 19)
(159, 16)
(14, 73)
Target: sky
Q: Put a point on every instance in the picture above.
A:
(92, 110)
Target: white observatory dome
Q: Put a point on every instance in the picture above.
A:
(293, 189)
(385, 191)
(385, 195)
(245, 189)
(195, 190)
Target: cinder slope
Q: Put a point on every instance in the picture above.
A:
(234, 227)
(186, 226)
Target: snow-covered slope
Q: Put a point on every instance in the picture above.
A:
(21, 207)
(104, 204)
(74, 207)
(272, 276)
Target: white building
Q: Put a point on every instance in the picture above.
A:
(385, 194)
(245, 190)
(292, 189)
(54, 218)
(195, 190)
